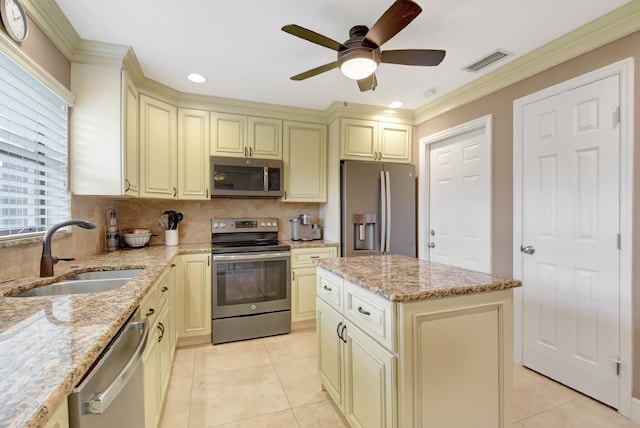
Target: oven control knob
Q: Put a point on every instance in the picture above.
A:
(215, 225)
(263, 224)
(253, 307)
(222, 225)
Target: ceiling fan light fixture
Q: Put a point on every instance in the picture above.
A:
(359, 63)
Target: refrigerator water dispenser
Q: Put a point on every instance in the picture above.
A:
(364, 231)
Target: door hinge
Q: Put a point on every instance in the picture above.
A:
(616, 116)
(619, 241)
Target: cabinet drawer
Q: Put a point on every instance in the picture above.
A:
(163, 289)
(371, 313)
(149, 306)
(329, 287)
(304, 257)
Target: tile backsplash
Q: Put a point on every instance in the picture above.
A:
(196, 225)
(20, 261)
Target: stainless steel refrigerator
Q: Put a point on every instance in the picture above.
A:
(377, 206)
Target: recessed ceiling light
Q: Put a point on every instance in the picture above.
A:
(197, 78)
(395, 104)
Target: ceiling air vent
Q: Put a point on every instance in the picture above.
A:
(487, 60)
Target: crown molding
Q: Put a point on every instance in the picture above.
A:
(362, 111)
(49, 18)
(612, 26)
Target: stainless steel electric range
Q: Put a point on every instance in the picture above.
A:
(251, 279)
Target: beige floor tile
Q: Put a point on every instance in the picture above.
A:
(183, 363)
(283, 419)
(177, 404)
(534, 393)
(212, 359)
(235, 395)
(297, 344)
(580, 413)
(300, 380)
(318, 415)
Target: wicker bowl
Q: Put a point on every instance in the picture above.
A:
(135, 240)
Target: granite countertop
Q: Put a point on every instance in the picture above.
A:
(48, 343)
(316, 243)
(406, 279)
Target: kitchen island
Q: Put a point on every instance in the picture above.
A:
(408, 343)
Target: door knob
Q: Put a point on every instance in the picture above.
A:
(431, 245)
(528, 249)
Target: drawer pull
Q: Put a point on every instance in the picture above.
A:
(327, 288)
(150, 312)
(314, 257)
(165, 289)
(363, 312)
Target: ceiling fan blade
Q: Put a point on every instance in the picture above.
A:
(398, 16)
(368, 83)
(312, 36)
(413, 56)
(315, 71)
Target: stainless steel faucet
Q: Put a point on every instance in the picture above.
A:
(47, 261)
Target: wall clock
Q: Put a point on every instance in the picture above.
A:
(14, 19)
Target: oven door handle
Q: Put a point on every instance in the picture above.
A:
(249, 256)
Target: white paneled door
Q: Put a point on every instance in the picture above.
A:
(460, 200)
(570, 227)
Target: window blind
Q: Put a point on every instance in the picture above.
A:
(33, 153)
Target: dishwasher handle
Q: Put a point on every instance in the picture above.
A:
(100, 401)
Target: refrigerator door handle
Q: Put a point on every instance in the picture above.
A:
(388, 219)
(383, 211)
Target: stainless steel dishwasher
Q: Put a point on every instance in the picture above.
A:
(111, 394)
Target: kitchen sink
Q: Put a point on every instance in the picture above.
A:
(105, 274)
(86, 282)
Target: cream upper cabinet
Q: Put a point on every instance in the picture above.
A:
(131, 142)
(193, 154)
(245, 136)
(103, 131)
(305, 162)
(375, 141)
(194, 295)
(158, 149)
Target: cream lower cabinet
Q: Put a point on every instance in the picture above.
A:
(305, 162)
(303, 280)
(60, 418)
(194, 295)
(156, 307)
(444, 362)
(357, 372)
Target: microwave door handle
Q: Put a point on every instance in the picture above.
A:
(266, 178)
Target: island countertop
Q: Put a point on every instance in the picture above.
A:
(405, 279)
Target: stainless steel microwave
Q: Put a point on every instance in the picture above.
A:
(246, 177)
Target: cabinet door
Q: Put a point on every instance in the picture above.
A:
(151, 369)
(395, 142)
(303, 294)
(131, 142)
(164, 349)
(264, 138)
(193, 154)
(358, 139)
(228, 135)
(330, 350)
(305, 162)
(370, 399)
(158, 149)
(194, 302)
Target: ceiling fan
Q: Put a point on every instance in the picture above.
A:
(360, 55)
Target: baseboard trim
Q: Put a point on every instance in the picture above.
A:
(635, 409)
